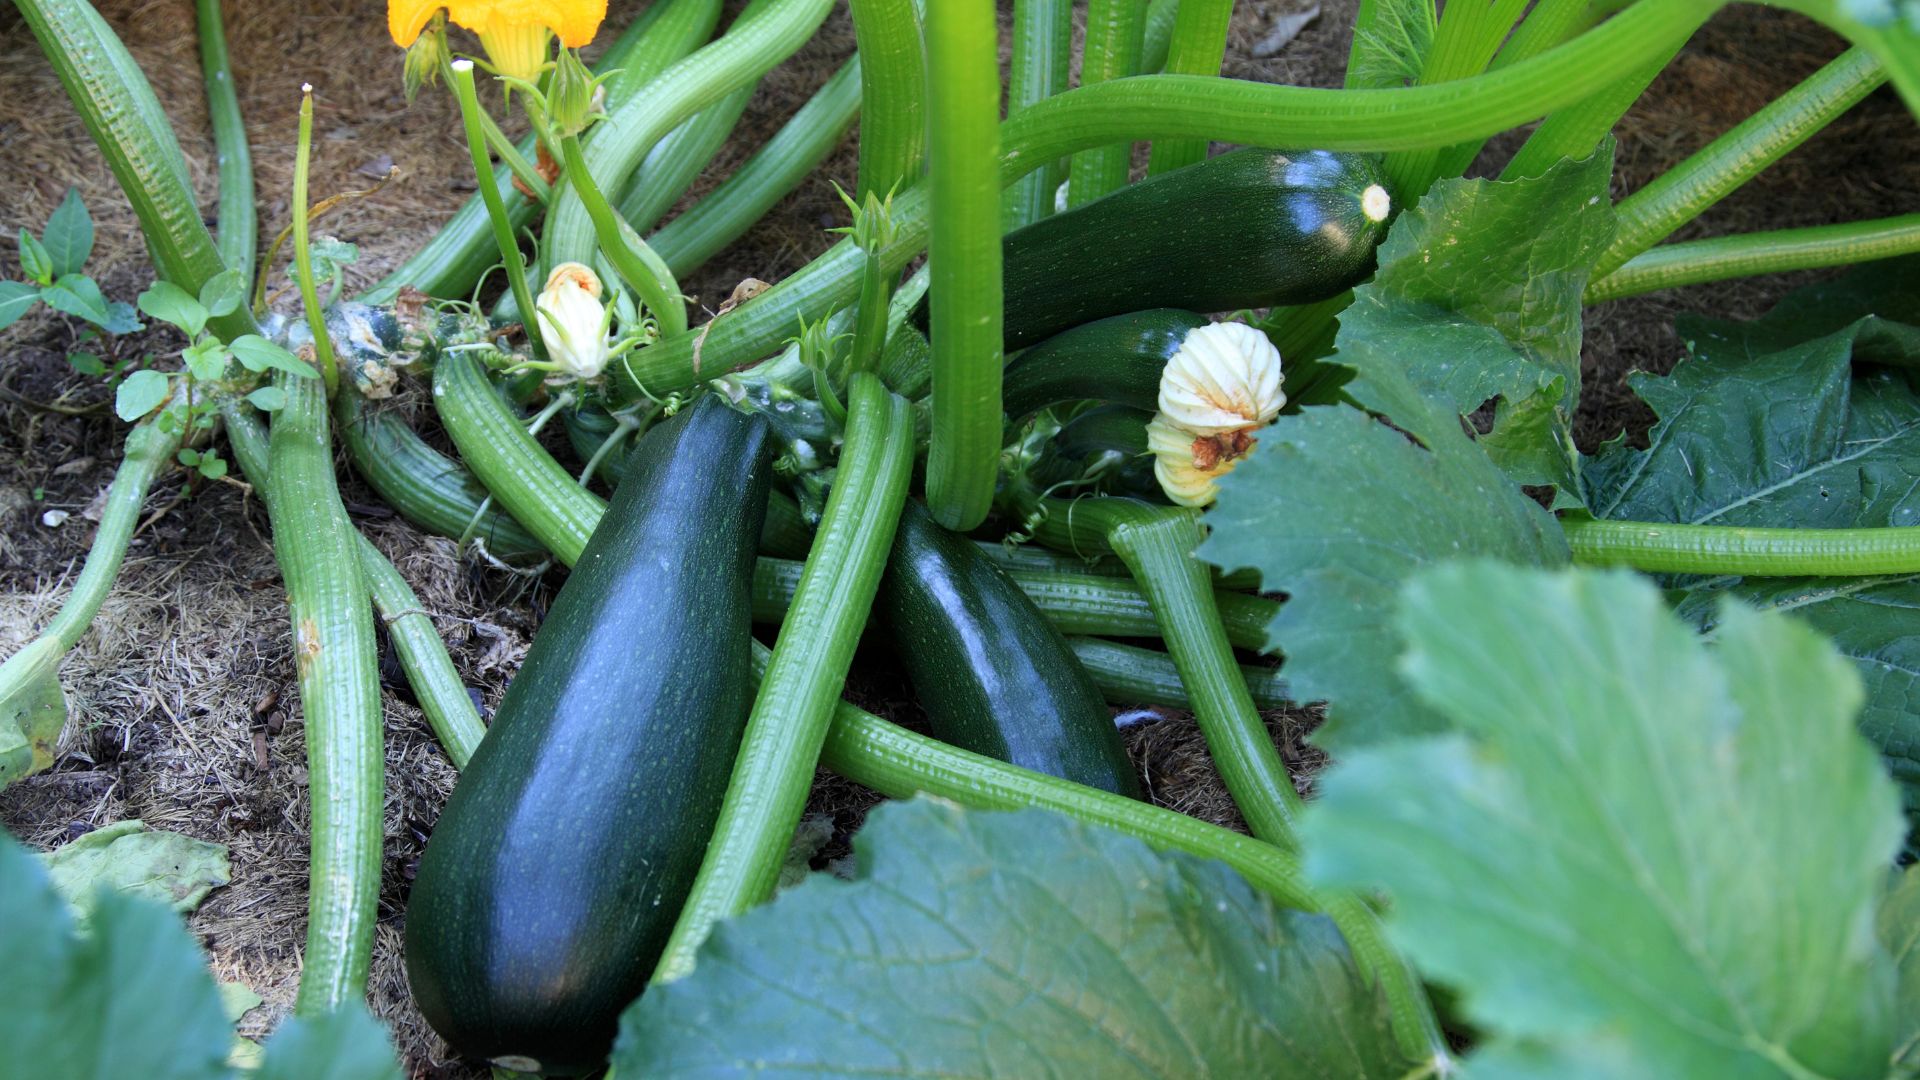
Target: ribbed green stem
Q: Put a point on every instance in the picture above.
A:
(1575, 132)
(1464, 43)
(1088, 603)
(148, 450)
(119, 110)
(900, 764)
(423, 655)
(1130, 675)
(1115, 37)
(1041, 67)
(1154, 106)
(423, 485)
(1658, 547)
(1696, 262)
(1685, 191)
(637, 264)
(1157, 40)
(238, 223)
(1157, 545)
(793, 154)
(963, 257)
(339, 679)
(672, 166)
(450, 263)
(1198, 45)
(766, 33)
(794, 708)
(523, 477)
(1548, 24)
(504, 236)
(893, 84)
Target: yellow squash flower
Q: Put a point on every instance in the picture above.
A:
(514, 32)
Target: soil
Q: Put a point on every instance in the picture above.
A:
(185, 711)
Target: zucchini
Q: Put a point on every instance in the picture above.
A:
(1106, 445)
(1117, 359)
(1250, 228)
(994, 675)
(556, 871)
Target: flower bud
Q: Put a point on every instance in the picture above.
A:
(425, 56)
(573, 321)
(570, 95)
(1225, 377)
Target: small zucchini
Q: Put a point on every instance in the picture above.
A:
(560, 863)
(1117, 359)
(994, 675)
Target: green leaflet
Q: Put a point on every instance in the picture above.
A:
(133, 997)
(1478, 297)
(129, 859)
(1014, 944)
(1635, 856)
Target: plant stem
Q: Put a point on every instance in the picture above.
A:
(893, 84)
(1042, 59)
(147, 452)
(511, 464)
(1154, 106)
(503, 148)
(1130, 675)
(793, 154)
(117, 106)
(302, 249)
(1464, 42)
(963, 254)
(795, 705)
(765, 34)
(1575, 132)
(632, 259)
(1115, 30)
(1198, 45)
(504, 237)
(430, 671)
(1685, 191)
(1659, 547)
(870, 317)
(238, 223)
(1157, 39)
(676, 161)
(339, 679)
(1696, 262)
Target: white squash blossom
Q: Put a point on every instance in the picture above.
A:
(1221, 387)
(573, 321)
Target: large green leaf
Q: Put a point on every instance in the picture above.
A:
(1015, 944)
(1478, 296)
(1636, 855)
(133, 997)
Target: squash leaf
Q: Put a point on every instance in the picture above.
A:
(1635, 855)
(128, 858)
(1014, 944)
(133, 997)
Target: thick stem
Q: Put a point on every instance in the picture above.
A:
(795, 705)
(637, 264)
(871, 317)
(1697, 262)
(1685, 191)
(677, 161)
(148, 450)
(1732, 550)
(339, 679)
(1042, 55)
(963, 255)
(893, 84)
(1463, 45)
(238, 223)
(1198, 45)
(1576, 131)
(794, 153)
(1115, 35)
(1130, 675)
(504, 236)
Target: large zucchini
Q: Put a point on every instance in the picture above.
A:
(556, 871)
(1117, 359)
(1250, 228)
(994, 675)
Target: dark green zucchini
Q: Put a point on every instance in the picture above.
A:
(1107, 443)
(1250, 228)
(994, 675)
(560, 863)
(1116, 359)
